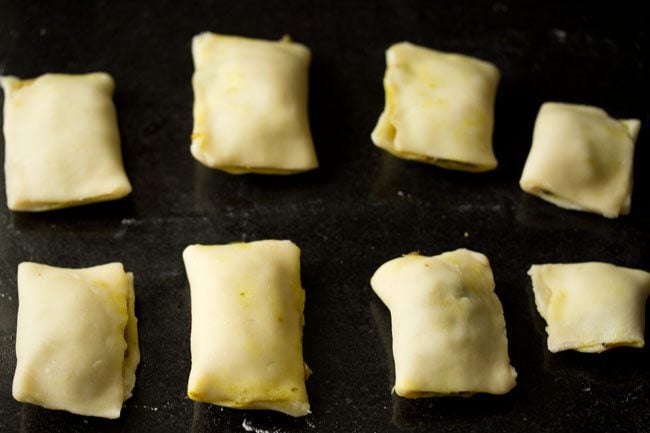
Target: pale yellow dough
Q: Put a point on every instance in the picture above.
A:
(247, 318)
(76, 339)
(591, 307)
(250, 105)
(581, 159)
(449, 333)
(439, 108)
(62, 144)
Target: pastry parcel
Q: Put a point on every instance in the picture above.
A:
(439, 108)
(581, 159)
(250, 105)
(247, 318)
(62, 144)
(76, 338)
(449, 334)
(591, 307)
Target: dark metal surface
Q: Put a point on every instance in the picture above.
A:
(361, 208)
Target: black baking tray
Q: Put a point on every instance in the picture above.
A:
(361, 208)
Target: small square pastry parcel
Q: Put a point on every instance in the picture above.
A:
(250, 105)
(247, 319)
(591, 307)
(439, 108)
(76, 338)
(449, 333)
(581, 159)
(62, 144)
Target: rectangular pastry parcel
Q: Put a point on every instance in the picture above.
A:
(449, 333)
(247, 319)
(439, 108)
(591, 307)
(76, 338)
(582, 159)
(62, 144)
(250, 105)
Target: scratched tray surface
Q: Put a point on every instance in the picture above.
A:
(360, 209)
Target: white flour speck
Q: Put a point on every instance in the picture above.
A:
(246, 424)
(144, 406)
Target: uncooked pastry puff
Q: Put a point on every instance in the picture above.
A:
(62, 145)
(250, 105)
(591, 307)
(76, 338)
(581, 159)
(449, 334)
(247, 318)
(439, 108)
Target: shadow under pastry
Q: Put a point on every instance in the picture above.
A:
(209, 418)
(35, 419)
(95, 217)
(536, 213)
